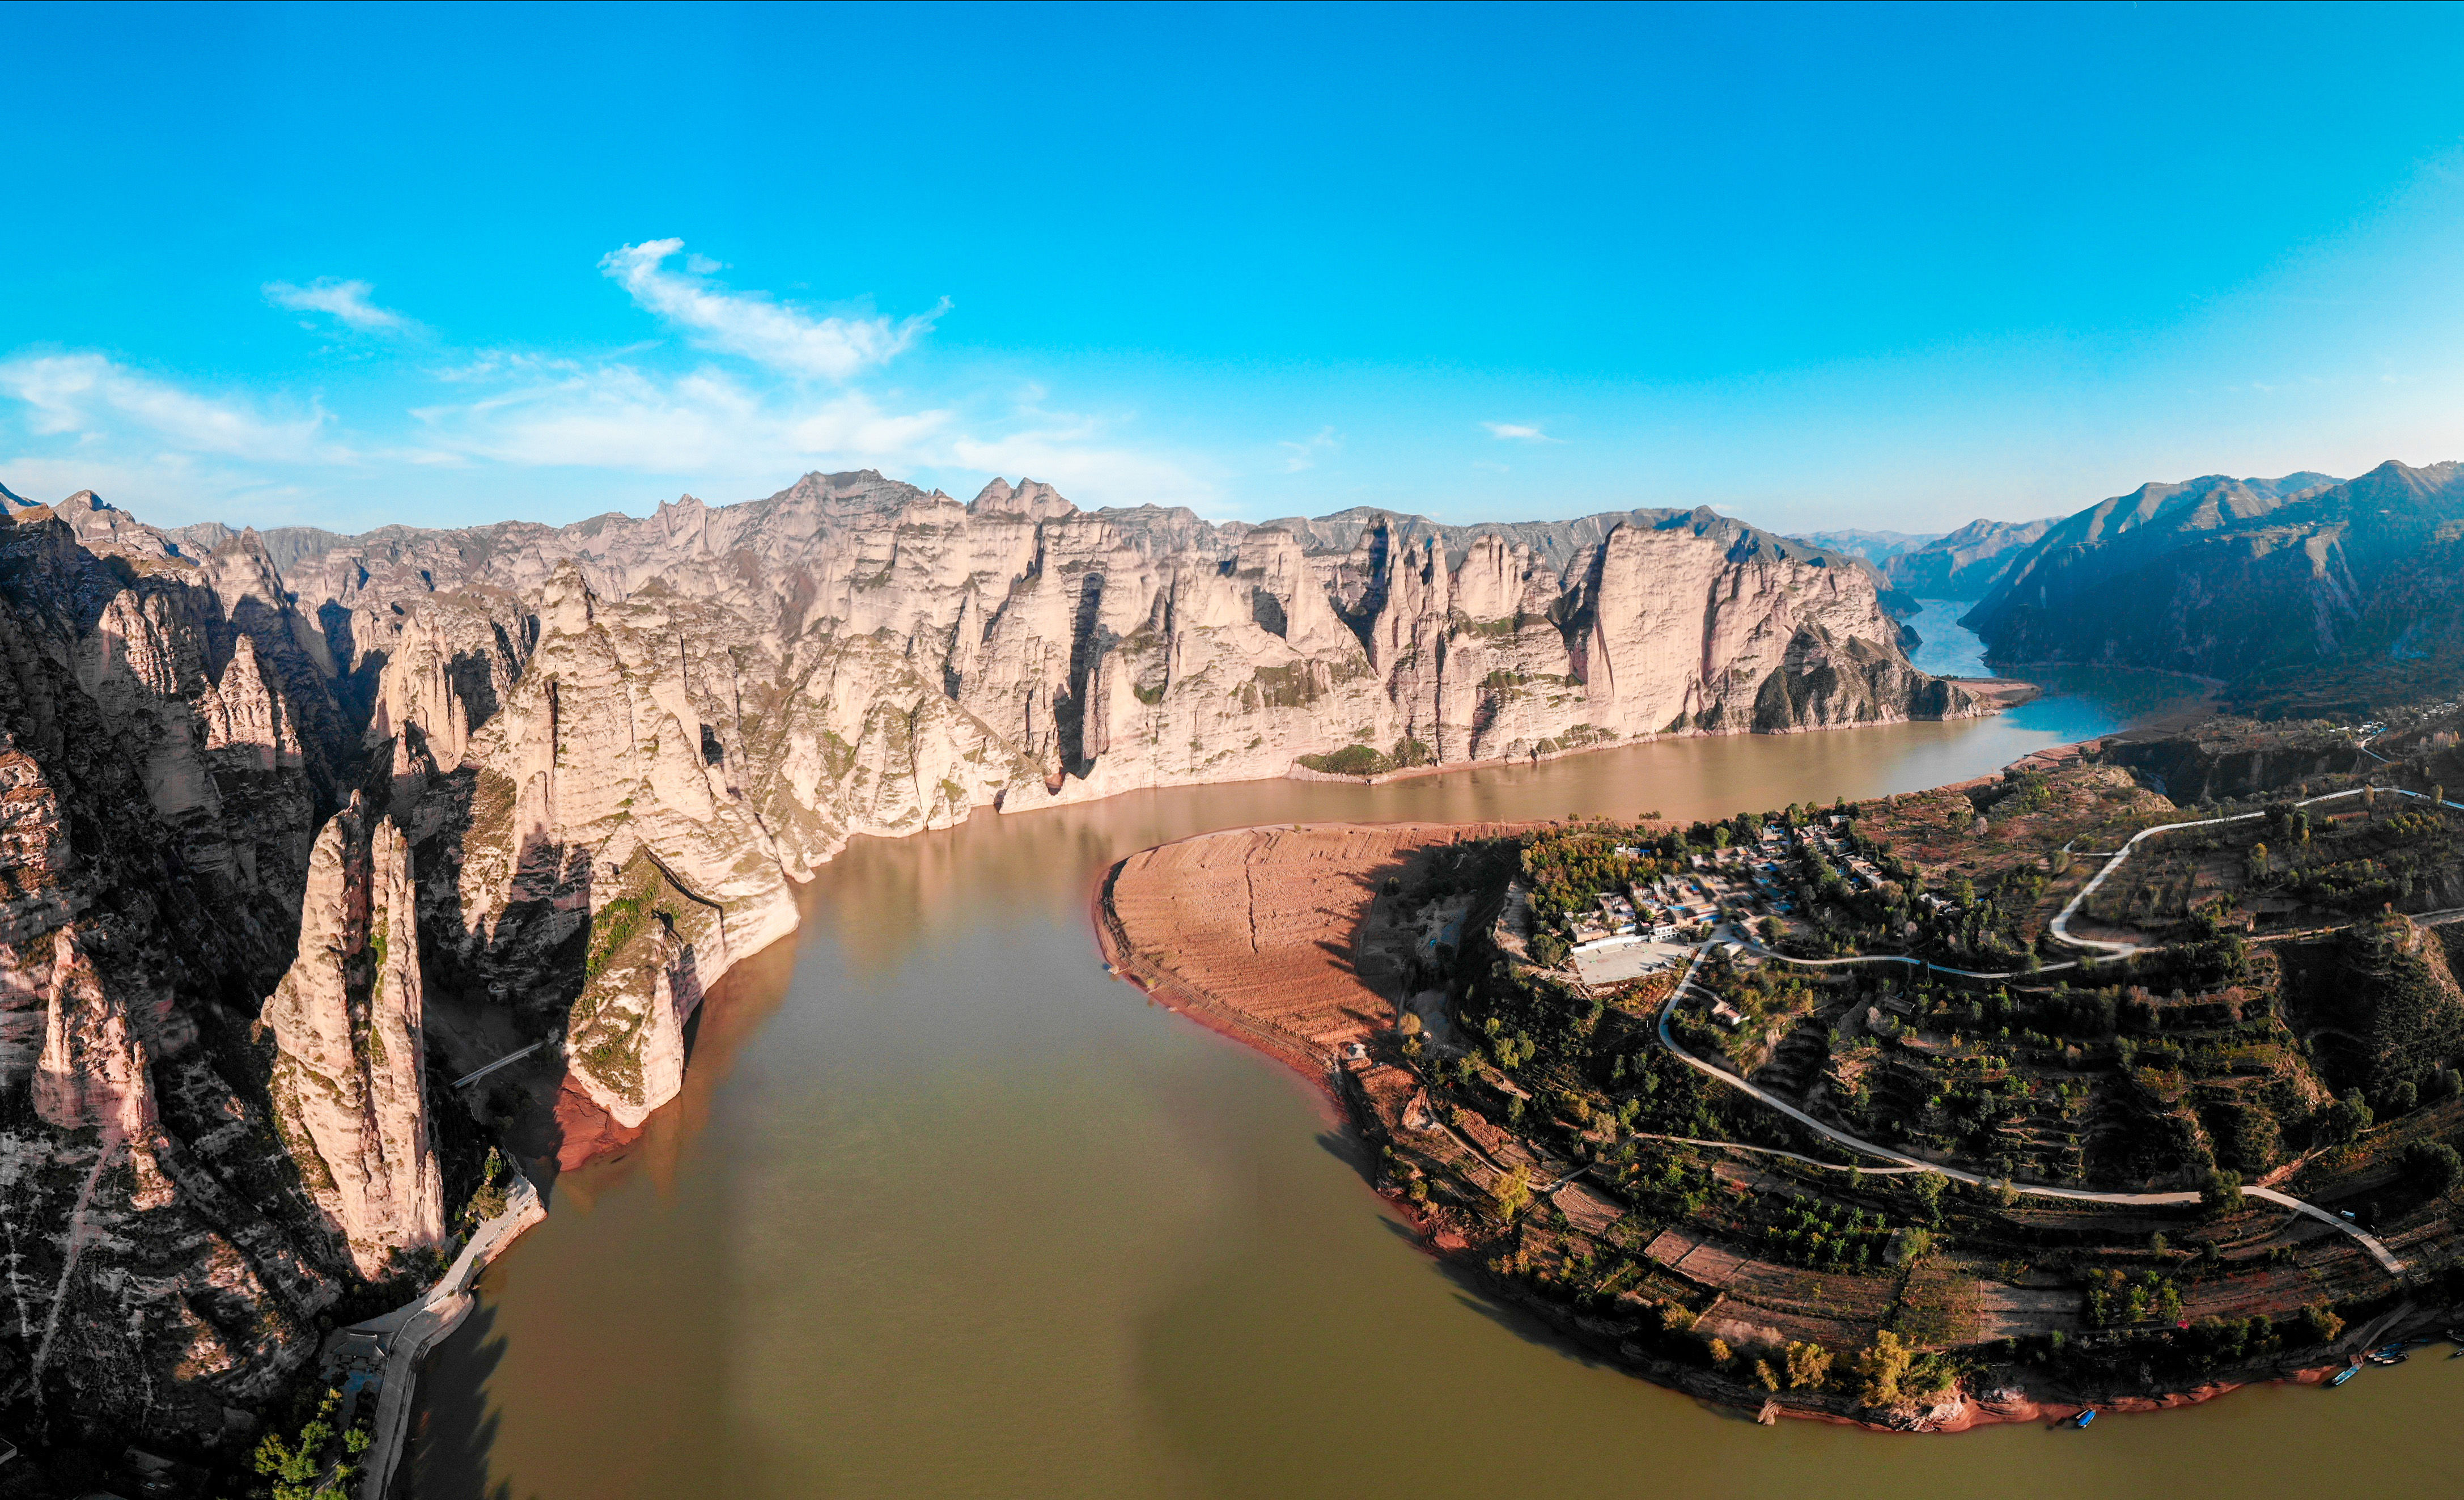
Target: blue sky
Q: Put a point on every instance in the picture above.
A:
(1881, 266)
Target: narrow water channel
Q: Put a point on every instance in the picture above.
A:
(944, 1211)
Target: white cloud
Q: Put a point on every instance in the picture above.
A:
(1301, 455)
(347, 300)
(91, 397)
(775, 334)
(563, 413)
(495, 415)
(1517, 432)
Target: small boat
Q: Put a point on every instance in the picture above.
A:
(2085, 1418)
(2344, 1375)
(2384, 1359)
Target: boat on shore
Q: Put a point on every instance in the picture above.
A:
(2344, 1375)
(2085, 1418)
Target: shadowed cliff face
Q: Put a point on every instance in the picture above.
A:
(1968, 563)
(156, 798)
(2260, 582)
(576, 772)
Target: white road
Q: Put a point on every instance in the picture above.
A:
(2371, 1243)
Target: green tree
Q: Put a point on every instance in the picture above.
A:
(1883, 1367)
(1512, 1192)
(2347, 1117)
(2433, 1165)
(2221, 1194)
(1928, 1187)
(2320, 1324)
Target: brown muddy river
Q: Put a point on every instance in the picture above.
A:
(944, 1211)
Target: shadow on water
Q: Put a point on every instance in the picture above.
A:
(455, 1430)
(1471, 1293)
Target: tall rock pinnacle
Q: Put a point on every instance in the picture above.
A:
(349, 1084)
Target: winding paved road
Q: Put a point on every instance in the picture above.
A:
(2371, 1243)
(2060, 925)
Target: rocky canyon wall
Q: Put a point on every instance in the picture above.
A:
(264, 799)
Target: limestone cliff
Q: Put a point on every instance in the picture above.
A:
(617, 744)
(350, 1075)
(162, 1275)
(577, 772)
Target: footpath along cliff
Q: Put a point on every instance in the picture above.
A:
(270, 801)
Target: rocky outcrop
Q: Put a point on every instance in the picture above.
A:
(2227, 759)
(350, 1075)
(617, 744)
(162, 1270)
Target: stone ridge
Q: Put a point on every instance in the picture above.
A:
(587, 726)
(166, 1265)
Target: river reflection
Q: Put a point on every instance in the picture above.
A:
(946, 1212)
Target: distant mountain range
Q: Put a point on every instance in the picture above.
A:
(2300, 594)
(1968, 563)
(1914, 565)
(1877, 547)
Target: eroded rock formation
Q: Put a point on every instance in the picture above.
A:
(161, 1272)
(349, 1080)
(576, 772)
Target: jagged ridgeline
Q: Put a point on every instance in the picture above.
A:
(2305, 594)
(269, 804)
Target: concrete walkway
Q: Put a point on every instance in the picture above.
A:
(405, 1335)
(2371, 1243)
(506, 1061)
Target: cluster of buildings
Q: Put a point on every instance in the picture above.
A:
(1653, 910)
(1742, 882)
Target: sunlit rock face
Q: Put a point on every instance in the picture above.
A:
(618, 743)
(271, 805)
(348, 1020)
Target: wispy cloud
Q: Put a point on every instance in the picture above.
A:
(1517, 432)
(775, 334)
(347, 300)
(1304, 454)
(92, 397)
(804, 401)
(566, 413)
(1083, 457)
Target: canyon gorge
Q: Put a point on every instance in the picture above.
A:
(273, 805)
